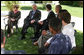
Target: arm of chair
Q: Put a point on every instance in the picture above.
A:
(73, 24)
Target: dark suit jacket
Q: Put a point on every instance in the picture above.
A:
(46, 22)
(36, 17)
(16, 16)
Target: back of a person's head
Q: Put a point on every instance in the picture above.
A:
(48, 6)
(65, 16)
(56, 24)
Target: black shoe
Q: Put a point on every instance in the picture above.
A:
(32, 37)
(34, 40)
(22, 38)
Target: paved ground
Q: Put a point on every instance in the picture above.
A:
(78, 21)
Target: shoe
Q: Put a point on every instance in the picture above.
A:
(34, 40)
(32, 37)
(22, 38)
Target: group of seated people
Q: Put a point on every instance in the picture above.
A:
(54, 35)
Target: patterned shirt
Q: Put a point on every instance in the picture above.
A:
(60, 44)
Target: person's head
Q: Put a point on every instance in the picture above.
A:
(15, 7)
(65, 16)
(55, 25)
(34, 6)
(2, 39)
(48, 7)
(58, 8)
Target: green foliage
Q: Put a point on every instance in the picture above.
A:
(72, 3)
(38, 1)
(45, 2)
(66, 2)
(79, 43)
(9, 4)
(40, 7)
(76, 3)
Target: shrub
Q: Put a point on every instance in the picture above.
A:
(9, 4)
(72, 3)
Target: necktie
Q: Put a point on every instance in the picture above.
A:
(33, 14)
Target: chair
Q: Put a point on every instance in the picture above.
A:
(73, 24)
(6, 25)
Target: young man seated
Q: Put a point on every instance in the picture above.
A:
(3, 51)
(60, 43)
(67, 27)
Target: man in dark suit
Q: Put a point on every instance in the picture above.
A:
(46, 21)
(32, 20)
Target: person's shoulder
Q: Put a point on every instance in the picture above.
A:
(11, 11)
(38, 10)
(19, 11)
(51, 11)
(66, 37)
(31, 10)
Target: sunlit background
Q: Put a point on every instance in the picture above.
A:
(75, 8)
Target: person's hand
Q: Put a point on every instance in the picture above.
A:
(41, 22)
(2, 46)
(32, 21)
(44, 32)
(35, 43)
(46, 44)
(12, 19)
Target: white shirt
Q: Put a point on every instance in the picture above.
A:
(67, 30)
(49, 11)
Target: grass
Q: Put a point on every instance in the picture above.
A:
(75, 11)
(79, 43)
(13, 43)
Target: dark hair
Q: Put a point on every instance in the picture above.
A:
(56, 24)
(65, 15)
(16, 6)
(49, 6)
(2, 35)
(59, 6)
